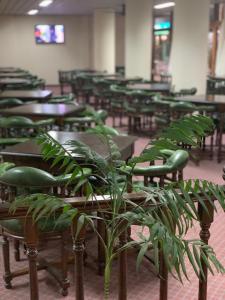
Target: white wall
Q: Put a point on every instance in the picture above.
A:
(18, 47)
(189, 56)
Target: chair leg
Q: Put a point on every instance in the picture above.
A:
(211, 146)
(113, 118)
(64, 260)
(6, 260)
(16, 250)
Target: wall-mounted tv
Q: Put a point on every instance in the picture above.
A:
(49, 34)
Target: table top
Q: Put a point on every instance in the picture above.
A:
(13, 75)
(121, 78)
(26, 94)
(14, 81)
(204, 99)
(10, 69)
(43, 110)
(29, 153)
(151, 87)
(217, 78)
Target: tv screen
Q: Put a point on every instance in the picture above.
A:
(49, 34)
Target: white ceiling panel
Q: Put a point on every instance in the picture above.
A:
(63, 7)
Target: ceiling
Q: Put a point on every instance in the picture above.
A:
(64, 7)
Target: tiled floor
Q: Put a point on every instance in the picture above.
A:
(142, 285)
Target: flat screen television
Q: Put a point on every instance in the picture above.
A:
(49, 34)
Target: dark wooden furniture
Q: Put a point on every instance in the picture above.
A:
(218, 102)
(206, 219)
(13, 75)
(43, 111)
(12, 81)
(151, 87)
(10, 70)
(29, 153)
(6, 81)
(27, 95)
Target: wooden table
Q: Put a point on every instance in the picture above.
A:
(98, 204)
(29, 153)
(43, 111)
(10, 69)
(13, 75)
(14, 81)
(218, 101)
(217, 78)
(121, 79)
(27, 95)
(151, 87)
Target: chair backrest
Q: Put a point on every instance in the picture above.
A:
(19, 126)
(28, 180)
(7, 103)
(173, 165)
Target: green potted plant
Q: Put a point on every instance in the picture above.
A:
(163, 210)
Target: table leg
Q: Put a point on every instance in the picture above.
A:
(220, 137)
(31, 238)
(205, 222)
(78, 248)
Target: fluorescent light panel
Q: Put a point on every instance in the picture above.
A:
(164, 5)
(45, 3)
(32, 12)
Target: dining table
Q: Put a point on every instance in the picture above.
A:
(13, 74)
(12, 81)
(101, 204)
(121, 79)
(151, 87)
(218, 104)
(40, 111)
(29, 152)
(27, 95)
(10, 69)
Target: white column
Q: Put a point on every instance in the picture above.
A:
(104, 40)
(138, 38)
(189, 56)
(220, 58)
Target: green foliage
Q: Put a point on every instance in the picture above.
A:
(167, 213)
(186, 131)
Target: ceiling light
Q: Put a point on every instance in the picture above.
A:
(32, 12)
(164, 5)
(45, 3)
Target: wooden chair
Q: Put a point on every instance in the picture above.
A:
(18, 129)
(62, 99)
(22, 181)
(87, 119)
(171, 170)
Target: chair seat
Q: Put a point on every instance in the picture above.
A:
(80, 120)
(161, 120)
(131, 109)
(147, 109)
(116, 105)
(44, 225)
